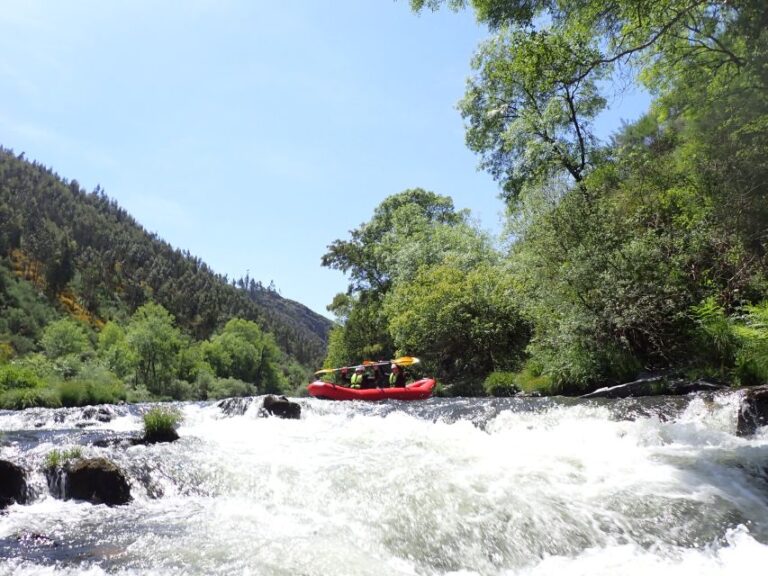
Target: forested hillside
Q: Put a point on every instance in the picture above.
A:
(645, 252)
(85, 257)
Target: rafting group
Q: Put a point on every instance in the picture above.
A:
(382, 380)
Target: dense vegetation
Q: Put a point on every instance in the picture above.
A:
(93, 308)
(644, 253)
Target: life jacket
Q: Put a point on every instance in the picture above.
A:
(396, 379)
(357, 379)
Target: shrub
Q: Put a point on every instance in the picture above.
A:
(752, 357)
(13, 376)
(500, 384)
(230, 388)
(182, 390)
(22, 398)
(138, 395)
(161, 423)
(531, 379)
(83, 393)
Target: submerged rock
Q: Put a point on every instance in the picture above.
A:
(13, 484)
(95, 480)
(280, 407)
(753, 411)
(235, 406)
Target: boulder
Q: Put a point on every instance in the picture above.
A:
(655, 386)
(753, 411)
(235, 406)
(169, 435)
(95, 480)
(281, 407)
(13, 484)
(99, 413)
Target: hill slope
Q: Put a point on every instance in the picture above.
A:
(92, 258)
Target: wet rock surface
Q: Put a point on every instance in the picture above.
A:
(95, 480)
(753, 412)
(281, 407)
(13, 484)
(235, 406)
(655, 386)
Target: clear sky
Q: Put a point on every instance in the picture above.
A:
(250, 133)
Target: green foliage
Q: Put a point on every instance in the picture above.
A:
(23, 312)
(752, 358)
(464, 324)
(95, 384)
(230, 388)
(15, 376)
(154, 342)
(114, 350)
(500, 384)
(532, 380)
(161, 422)
(243, 352)
(22, 398)
(57, 458)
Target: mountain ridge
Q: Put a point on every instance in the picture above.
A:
(84, 246)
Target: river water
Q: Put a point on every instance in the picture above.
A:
(445, 486)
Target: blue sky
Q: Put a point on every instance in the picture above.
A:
(250, 133)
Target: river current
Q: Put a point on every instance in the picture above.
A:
(445, 486)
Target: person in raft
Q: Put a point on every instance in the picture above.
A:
(396, 377)
(357, 378)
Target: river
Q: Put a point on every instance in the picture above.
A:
(445, 486)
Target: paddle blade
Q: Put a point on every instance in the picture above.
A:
(406, 361)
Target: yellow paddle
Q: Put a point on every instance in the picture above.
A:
(402, 361)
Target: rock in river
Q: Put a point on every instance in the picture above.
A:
(13, 484)
(96, 480)
(281, 407)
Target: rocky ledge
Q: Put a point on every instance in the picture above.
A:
(95, 480)
(13, 484)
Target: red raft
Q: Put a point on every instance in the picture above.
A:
(419, 390)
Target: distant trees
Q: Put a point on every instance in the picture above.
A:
(84, 249)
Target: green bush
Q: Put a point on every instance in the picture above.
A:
(531, 379)
(92, 388)
(204, 382)
(22, 398)
(182, 390)
(13, 376)
(230, 388)
(500, 384)
(161, 422)
(752, 358)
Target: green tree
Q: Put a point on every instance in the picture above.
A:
(114, 351)
(409, 230)
(464, 324)
(243, 352)
(64, 337)
(154, 342)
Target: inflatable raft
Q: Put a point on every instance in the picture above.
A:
(419, 390)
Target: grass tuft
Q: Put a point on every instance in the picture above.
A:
(57, 458)
(160, 424)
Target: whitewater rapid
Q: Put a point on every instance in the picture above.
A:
(459, 487)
